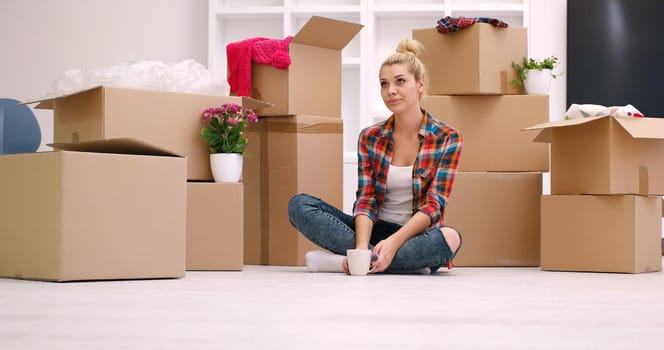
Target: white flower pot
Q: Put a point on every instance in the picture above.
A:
(226, 167)
(538, 82)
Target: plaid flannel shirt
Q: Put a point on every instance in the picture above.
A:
(433, 172)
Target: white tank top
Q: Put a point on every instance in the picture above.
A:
(398, 204)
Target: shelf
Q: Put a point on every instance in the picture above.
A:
(231, 4)
(350, 61)
(488, 8)
(306, 11)
(249, 11)
(401, 11)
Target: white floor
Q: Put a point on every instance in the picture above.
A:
(268, 307)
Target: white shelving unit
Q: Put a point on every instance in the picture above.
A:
(385, 23)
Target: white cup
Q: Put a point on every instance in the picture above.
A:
(359, 261)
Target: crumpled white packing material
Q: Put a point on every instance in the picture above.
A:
(578, 111)
(184, 76)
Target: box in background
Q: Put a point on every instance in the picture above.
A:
(69, 215)
(498, 217)
(610, 233)
(215, 226)
(254, 178)
(171, 120)
(605, 155)
(473, 61)
(312, 83)
(298, 154)
(491, 129)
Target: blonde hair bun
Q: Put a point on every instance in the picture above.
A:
(411, 46)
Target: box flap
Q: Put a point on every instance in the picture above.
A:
(642, 128)
(254, 104)
(327, 33)
(46, 101)
(545, 134)
(118, 146)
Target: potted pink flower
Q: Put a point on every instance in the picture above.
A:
(224, 133)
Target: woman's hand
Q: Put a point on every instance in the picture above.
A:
(385, 250)
(345, 266)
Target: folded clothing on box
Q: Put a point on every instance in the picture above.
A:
(454, 24)
(577, 111)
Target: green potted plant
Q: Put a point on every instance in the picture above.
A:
(224, 133)
(535, 74)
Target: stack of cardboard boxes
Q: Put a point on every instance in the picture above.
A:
(297, 145)
(112, 202)
(495, 198)
(604, 211)
(128, 193)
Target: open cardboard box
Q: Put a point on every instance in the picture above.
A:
(605, 155)
(171, 120)
(312, 83)
(473, 61)
(115, 209)
(601, 233)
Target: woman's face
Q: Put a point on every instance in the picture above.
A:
(399, 89)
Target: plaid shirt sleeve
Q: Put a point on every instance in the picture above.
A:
(365, 202)
(439, 161)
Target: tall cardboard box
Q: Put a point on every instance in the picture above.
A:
(254, 179)
(312, 83)
(491, 127)
(498, 217)
(298, 154)
(473, 61)
(215, 226)
(611, 233)
(605, 155)
(171, 120)
(74, 215)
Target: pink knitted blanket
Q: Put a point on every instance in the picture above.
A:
(241, 54)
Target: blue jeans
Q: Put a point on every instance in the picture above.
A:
(334, 230)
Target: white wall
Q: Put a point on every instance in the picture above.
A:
(547, 35)
(41, 39)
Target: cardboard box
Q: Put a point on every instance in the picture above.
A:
(74, 215)
(312, 83)
(170, 120)
(473, 61)
(298, 154)
(254, 178)
(215, 226)
(605, 155)
(491, 127)
(498, 217)
(616, 233)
